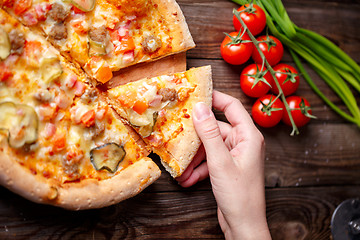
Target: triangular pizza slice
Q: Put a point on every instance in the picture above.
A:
(160, 110)
(60, 142)
(105, 36)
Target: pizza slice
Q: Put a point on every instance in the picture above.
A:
(105, 36)
(160, 110)
(60, 142)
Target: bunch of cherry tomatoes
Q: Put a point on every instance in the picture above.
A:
(255, 80)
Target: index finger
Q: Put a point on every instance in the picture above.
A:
(234, 111)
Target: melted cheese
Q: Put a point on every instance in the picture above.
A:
(65, 139)
(135, 19)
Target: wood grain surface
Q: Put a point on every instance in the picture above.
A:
(307, 176)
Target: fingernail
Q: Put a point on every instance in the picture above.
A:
(202, 111)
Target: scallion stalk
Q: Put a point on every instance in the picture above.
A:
(317, 90)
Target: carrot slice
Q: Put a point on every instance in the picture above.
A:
(88, 119)
(140, 107)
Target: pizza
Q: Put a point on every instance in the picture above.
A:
(68, 144)
(67, 141)
(104, 36)
(160, 108)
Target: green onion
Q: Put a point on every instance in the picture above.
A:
(317, 90)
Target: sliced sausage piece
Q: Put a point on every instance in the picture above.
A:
(17, 41)
(58, 31)
(167, 94)
(58, 12)
(151, 44)
(98, 34)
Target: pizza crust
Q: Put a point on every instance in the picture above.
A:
(180, 151)
(96, 194)
(174, 17)
(86, 194)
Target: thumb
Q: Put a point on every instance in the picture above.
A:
(209, 133)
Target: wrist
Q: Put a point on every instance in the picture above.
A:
(252, 226)
(253, 232)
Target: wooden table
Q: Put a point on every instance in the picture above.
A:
(307, 176)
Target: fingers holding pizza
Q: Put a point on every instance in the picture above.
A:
(160, 110)
(234, 162)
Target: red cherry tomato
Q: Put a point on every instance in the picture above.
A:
(272, 49)
(266, 115)
(234, 51)
(253, 74)
(301, 108)
(254, 18)
(287, 77)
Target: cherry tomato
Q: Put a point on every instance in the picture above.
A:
(254, 18)
(301, 113)
(251, 75)
(272, 49)
(266, 115)
(234, 51)
(287, 77)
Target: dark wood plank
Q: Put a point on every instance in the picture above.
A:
(293, 213)
(335, 20)
(307, 175)
(321, 155)
(304, 213)
(189, 215)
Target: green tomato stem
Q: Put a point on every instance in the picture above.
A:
(333, 65)
(269, 68)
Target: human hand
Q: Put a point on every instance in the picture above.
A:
(235, 164)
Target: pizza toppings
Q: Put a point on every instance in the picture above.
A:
(5, 73)
(151, 44)
(107, 157)
(58, 31)
(5, 46)
(43, 96)
(50, 69)
(168, 94)
(58, 12)
(42, 10)
(64, 130)
(21, 123)
(98, 34)
(99, 68)
(145, 131)
(17, 41)
(98, 39)
(144, 122)
(21, 6)
(83, 5)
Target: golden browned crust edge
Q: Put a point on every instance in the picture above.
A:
(180, 151)
(183, 148)
(174, 17)
(96, 194)
(86, 194)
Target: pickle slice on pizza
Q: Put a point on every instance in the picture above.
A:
(60, 142)
(105, 36)
(160, 110)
